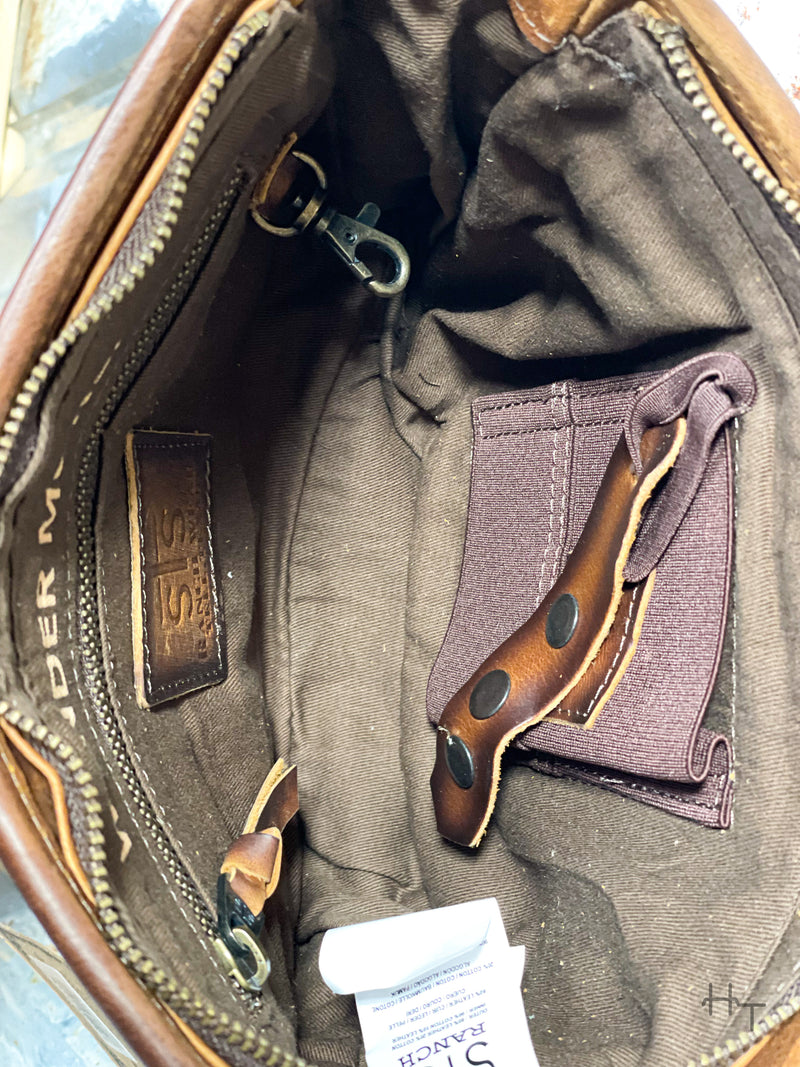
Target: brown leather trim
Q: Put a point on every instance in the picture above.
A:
(547, 22)
(277, 801)
(253, 866)
(153, 176)
(746, 87)
(58, 801)
(541, 674)
(146, 109)
(253, 862)
(753, 95)
(137, 1015)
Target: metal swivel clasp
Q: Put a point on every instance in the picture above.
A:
(342, 233)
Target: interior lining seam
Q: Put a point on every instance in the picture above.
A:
(606, 783)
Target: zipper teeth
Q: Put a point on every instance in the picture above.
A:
(729, 1052)
(89, 630)
(672, 42)
(172, 187)
(70, 766)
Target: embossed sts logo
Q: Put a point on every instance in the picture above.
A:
(177, 620)
(181, 575)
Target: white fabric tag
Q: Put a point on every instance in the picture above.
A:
(436, 988)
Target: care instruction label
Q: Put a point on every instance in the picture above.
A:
(436, 988)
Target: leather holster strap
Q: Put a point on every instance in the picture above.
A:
(614, 558)
(541, 674)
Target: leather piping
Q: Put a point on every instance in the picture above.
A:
(136, 1014)
(69, 853)
(152, 177)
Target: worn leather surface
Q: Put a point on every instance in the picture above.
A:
(68, 921)
(547, 22)
(177, 622)
(47, 799)
(540, 674)
(253, 862)
(143, 114)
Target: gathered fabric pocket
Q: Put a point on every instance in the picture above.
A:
(647, 727)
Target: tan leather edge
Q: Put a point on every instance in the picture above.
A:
(145, 110)
(781, 1048)
(547, 22)
(629, 651)
(253, 869)
(766, 119)
(748, 88)
(153, 176)
(201, 1048)
(50, 774)
(137, 614)
(463, 815)
(749, 1057)
(618, 671)
(280, 771)
(254, 873)
(136, 1014)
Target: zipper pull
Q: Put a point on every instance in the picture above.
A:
(344, 235)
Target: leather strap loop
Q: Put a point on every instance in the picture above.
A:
(253, 862)
(710, 389)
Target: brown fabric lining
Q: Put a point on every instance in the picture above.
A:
(588, 239)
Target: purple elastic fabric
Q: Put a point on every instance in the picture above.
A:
(538, 458)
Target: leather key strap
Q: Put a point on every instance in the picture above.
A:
(253, 862)
(533, 669)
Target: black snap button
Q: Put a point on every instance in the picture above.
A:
(561, 620)
(459, 761)
(489, 694)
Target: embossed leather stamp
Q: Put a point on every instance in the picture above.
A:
(178, 635)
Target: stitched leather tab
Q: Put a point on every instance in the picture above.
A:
(178, 638)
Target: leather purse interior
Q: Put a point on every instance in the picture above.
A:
(567, 216)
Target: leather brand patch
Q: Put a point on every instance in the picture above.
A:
(178, 641)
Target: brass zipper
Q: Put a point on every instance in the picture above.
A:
(198, 1013)
(111, 291)
(173, 184)
(171, 190)
(671, 39)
